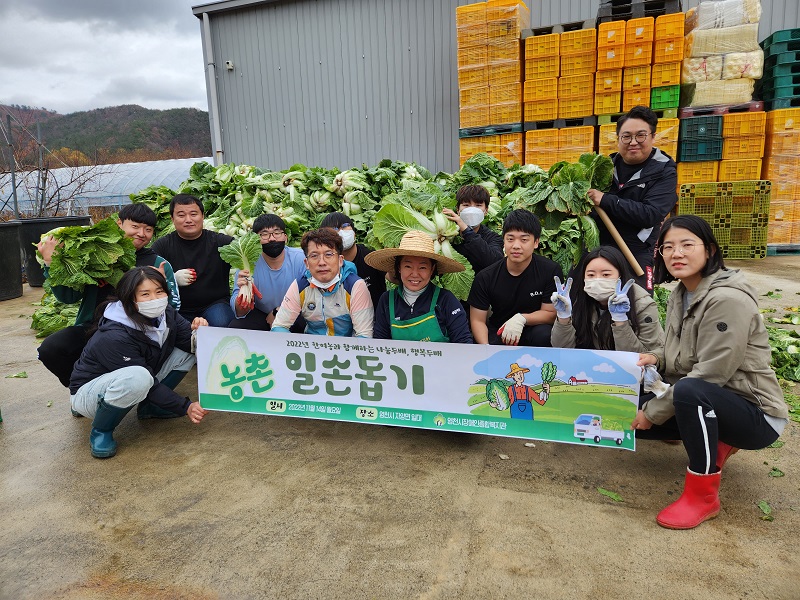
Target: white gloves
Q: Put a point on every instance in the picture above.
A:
(185, 277)
(619, 304)
(653, 383)
(511, 330)
(561, 300)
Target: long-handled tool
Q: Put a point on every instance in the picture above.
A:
(637, 269)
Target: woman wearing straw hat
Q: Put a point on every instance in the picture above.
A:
(418, 310)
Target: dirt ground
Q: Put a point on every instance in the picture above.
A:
(246, 506)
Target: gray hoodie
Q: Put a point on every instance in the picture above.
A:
(721, 339)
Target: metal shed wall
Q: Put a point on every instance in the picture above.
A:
(346, 82)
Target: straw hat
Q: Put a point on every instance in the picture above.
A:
(515, 368)
(414, 243)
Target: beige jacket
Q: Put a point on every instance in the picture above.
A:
(650, 338)
(721, 339)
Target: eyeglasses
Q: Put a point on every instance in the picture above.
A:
(328, 256)
(271, 235)
(640, 137)
(685, 249)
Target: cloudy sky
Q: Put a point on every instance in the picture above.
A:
(74, 55)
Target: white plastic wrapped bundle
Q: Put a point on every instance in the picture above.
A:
(707, 68)
(706, 42)
(739, 65)
(714, 14)
(725, 91)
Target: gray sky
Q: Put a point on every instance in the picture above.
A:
(74, 55)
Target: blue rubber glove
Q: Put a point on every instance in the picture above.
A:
(561, 300)
(619, 304)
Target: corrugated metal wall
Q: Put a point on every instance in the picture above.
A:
(346, 82)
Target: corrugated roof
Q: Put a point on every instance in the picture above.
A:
(110, 184)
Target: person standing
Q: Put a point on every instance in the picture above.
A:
(200, 272)
(643, 190)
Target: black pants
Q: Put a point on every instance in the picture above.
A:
(706, 413)
(61, 350)
(532, 335)
(256, 320)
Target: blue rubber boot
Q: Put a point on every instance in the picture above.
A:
(101, 438)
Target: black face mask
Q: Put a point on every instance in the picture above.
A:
(273, 249)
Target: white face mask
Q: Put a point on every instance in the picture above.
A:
(600, 289)
(324, 286)
(153, 308)
(472, 216)
(348, 238)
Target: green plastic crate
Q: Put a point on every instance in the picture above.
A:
(665, 97)
(737, 211)
(701, 128)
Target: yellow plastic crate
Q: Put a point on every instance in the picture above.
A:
(579, 64)
(576, 86)
(469, 97)
(608, 81)
(640, 30)
(504, 50)
(607, 138)
(474, 116)
(744, 124)
(473, 56)
(784, 119)
(612, 57)
(509, 11)
(698, 172)
(541, 110)
(638, 54)
(540, 89)
(607, 103)
(579, 41)
(669, 148)
(636, 78)
(781, 168)
(786, 142)
(664, 74)
(670, 50)
(667, 133)
(544, 160)
(633, 98)
(784, 190)
(471, 14)
(743, 147)
(508, 112)
(538, 68)
(511, 149)
(469, 77)
(611, 33)
(739, 170)
(505, 73)
(506, 29)
(576, 139)
(570, 108)
(472, 35)
(670, 27)
(541, 140)
(782, 220)
(505, 94)
(541, 46)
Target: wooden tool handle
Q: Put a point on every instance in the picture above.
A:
(637, 269)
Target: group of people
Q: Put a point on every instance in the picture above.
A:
(707, 377)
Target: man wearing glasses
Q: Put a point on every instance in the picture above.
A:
(276, 269)
(330, 296)
(643, 190)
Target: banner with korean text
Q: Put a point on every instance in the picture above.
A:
(559, 395)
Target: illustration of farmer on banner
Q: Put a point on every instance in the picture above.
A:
(521, 395)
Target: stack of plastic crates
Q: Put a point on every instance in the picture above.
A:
(639, 35)
(542, 68)
(490, 78)
(578, 50)
(742, 145)
(545, 147)
(782, 167)
(737, 211)
(699, 149)
(667, 55)
(781, 83)
(610, 62)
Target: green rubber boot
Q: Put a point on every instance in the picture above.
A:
(106, 419)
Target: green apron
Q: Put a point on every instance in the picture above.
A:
(424, 328)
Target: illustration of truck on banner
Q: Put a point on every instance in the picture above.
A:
(591, 427)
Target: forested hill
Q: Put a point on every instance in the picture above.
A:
(118, 133)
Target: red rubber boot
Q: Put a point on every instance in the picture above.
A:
(698, 502)
(724, 452)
